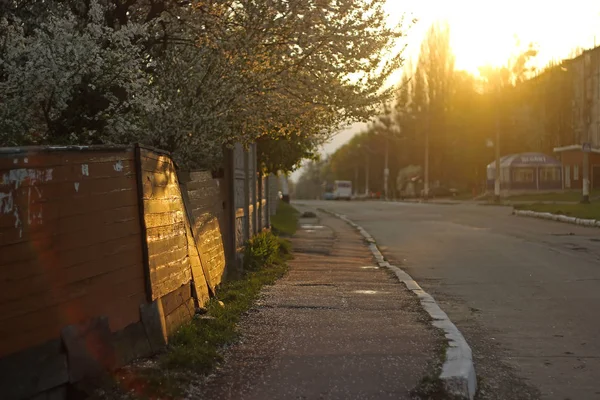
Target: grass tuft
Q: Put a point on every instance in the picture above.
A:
(285, 221)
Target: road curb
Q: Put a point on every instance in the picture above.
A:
(458, 370)
(557, 217)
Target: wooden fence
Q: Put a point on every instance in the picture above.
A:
(105, 251)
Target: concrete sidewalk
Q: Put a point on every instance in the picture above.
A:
(336, 327)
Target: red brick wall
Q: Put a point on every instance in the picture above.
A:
(575, 158)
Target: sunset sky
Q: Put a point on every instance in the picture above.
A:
(487, 32)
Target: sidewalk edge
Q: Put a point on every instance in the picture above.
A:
(458, 370)
(558, 217)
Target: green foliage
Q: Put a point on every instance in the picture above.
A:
(262, 249)
(285, 221)
(285, 153)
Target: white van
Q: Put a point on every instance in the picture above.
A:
(342, 190)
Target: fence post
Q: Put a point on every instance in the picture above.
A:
(255, 206)
(246, 196)
(260, 200)
(141, 216)
(229, 206)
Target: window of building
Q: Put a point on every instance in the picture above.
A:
(523, 175)
(548, 174)
(575, 172)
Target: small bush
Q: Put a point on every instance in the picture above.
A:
(261, 250)
(285, 248)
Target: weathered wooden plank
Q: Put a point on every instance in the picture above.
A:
(51, 219)
(205, 199)
(168, 279)
(53, 284)
(48, 176)
(101, 202)
(26, 215)
(174, 255)
(127, 232)
(182, 314)
(52, 159)
(199, 277)
(210, 246)
(165, 245)
(40, 326)
(90, 352)
(163, 219)
(92, 171)
(165, 272)
(170, 191)
(165, 232)
(47, 246)
(158, 206)
(176, 298)
(52, 191)
(128, 279)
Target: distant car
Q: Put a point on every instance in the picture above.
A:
(328, 196)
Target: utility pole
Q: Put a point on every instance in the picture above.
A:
(367, 173)
(355, 180)
(497, 172)
(585, 198)
(386, 171)
(426, 183)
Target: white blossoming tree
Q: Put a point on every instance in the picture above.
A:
(72, 81)
(192, 76)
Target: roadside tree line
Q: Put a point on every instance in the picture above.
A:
(458, 114)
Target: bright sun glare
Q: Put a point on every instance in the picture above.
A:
(487, 33)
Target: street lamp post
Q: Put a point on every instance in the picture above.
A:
(497, 172)
(426, 177)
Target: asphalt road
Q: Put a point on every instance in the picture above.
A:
(524, 292)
